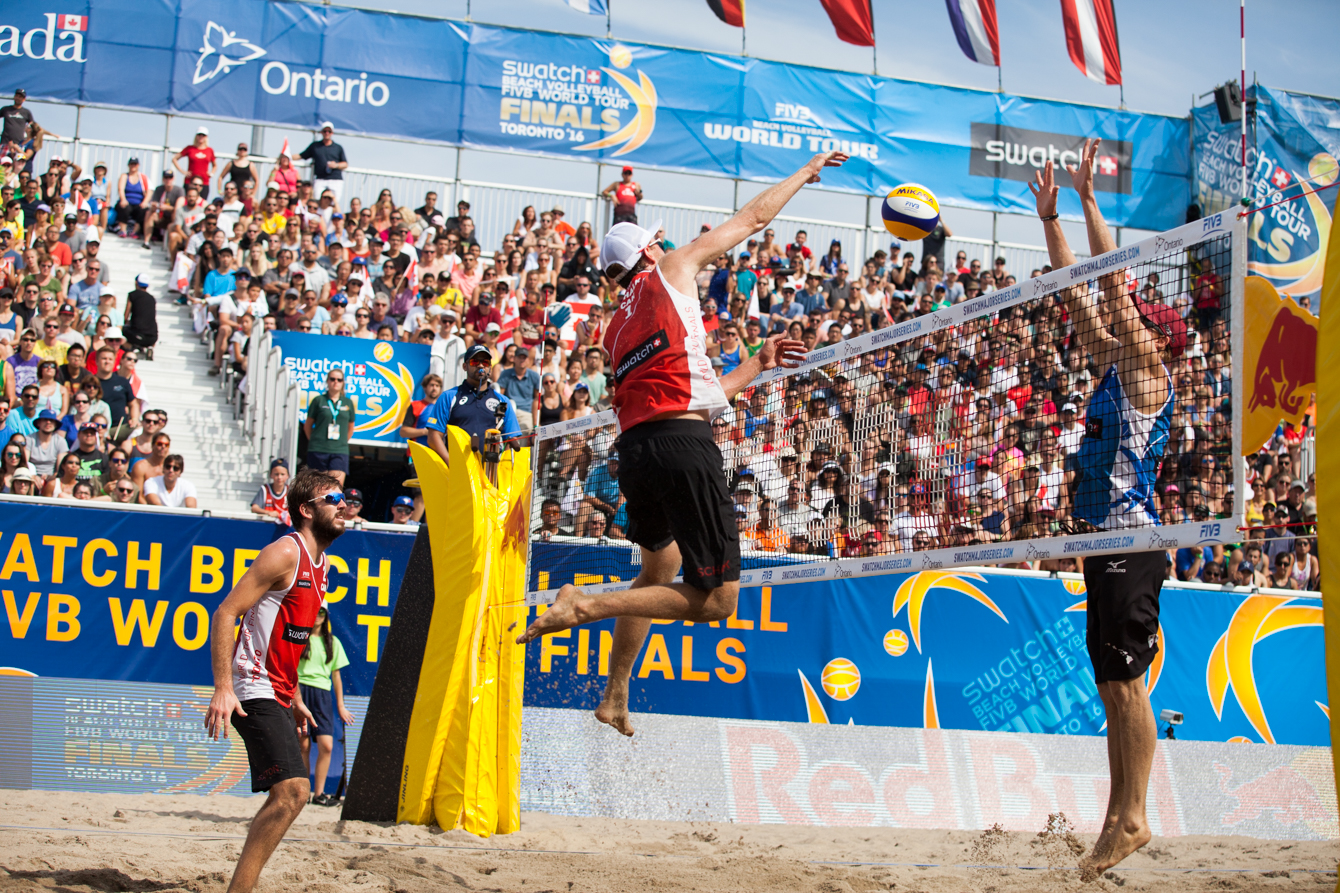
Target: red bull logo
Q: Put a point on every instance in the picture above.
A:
(1283, 792)
(1281, 362)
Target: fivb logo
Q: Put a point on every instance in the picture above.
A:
(60, 40)
(222, 50)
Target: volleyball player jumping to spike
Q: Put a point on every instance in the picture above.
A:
(1124, 437)
(671, 473)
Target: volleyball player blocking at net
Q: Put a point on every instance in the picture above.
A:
(671, 473)
(1125, 434)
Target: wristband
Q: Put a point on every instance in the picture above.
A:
(1052, 217)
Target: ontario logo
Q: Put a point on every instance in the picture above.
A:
(222, 50)
(564, 103)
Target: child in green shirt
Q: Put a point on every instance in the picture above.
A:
(318, 678)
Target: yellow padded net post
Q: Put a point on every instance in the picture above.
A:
(462, 761)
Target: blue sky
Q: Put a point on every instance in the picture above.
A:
(1171, 50)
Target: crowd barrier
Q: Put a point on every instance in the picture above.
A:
(126, 596)
(124, 737)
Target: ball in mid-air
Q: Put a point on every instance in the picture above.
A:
(910, 212)
(840, 679)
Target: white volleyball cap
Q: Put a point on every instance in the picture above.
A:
(625, 242)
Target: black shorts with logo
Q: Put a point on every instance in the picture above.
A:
(271, 737)
(1123, 612)
(671, 474)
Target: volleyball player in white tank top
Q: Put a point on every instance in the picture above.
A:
(671, 472)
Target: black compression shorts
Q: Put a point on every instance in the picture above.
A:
(271, 737)
(1123, 612)
(671, 474)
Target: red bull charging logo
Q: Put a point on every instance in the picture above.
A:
(1280, 363)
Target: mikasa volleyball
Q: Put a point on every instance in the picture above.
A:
(910, 212)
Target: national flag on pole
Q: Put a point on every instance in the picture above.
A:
(594, 7)
(852, 20)
(974, 24)
(73, 23)
(1091, 38)
(729, 11)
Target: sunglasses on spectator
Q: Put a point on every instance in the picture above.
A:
(116, 461)
(126, 491)
(172, 467)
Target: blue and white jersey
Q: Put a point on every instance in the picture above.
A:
(1119, 458)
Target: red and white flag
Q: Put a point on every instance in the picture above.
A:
(285, 150)
(1091, 38)
(510, 311)
(67, 22)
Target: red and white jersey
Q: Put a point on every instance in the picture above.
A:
(658, 347)
(275, 632)
(277, 502)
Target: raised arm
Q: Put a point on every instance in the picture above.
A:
(1089, 328)
(1117, 310)
(682, 264)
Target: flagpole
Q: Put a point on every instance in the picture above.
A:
(1242, 27)
(609, 30)
(874, 44)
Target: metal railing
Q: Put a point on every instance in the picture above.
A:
(270, 419)
(496, 207)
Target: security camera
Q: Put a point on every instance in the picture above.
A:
(1172, 717)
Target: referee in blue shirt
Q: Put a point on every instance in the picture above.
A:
(473, 406)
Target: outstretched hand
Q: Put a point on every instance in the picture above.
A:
(781, 351)
(823, 160)
(1082, 176)
(1044, 190)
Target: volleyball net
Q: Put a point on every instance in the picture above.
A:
(923, 436)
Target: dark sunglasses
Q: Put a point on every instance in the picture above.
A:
(333, 498)
(117, 461)
(126, 491)
(174, 467)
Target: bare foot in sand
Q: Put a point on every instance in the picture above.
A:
(561, 615)
(1123, 840)
(613, 709)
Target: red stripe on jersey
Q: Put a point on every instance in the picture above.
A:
(658, 348)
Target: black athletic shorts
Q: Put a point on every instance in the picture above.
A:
(271, 738)
(672, 477)
(1123, 612)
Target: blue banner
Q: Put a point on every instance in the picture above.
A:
(1293, 153)
(585, 98)
(380, 377)
(104, 594)
(111, 595)
(949, 649)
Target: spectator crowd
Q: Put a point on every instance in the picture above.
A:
(964, 436)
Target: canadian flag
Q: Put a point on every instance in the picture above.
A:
(69, 22)
(285, 149)
(511, 318)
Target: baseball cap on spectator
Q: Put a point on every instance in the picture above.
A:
(43, 206)
(202, 130)
(1069, 407)
(437, 220)
(403, 502)
(1166, 321)
(326, 125)
(67, 310)
(984, 462)
(339, 299)
(718, 363)
(486, 298)
(278, 463)
(142, 281)
(493, 327)
(70, 215)
(353, 494)
(1298, 483)
(1246, 567)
